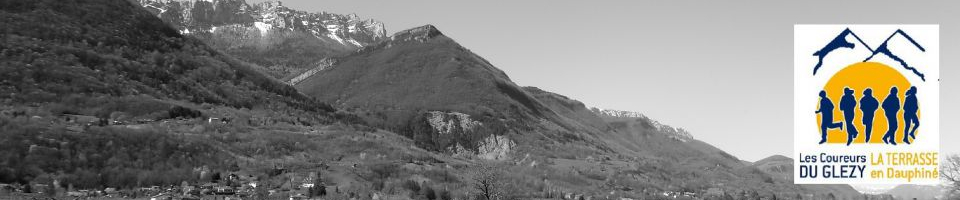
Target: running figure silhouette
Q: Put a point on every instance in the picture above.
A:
(910, 108)
(848, 105)
(826, 119)
(891, 105)
(868, 105)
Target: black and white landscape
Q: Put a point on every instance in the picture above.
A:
(227, 99)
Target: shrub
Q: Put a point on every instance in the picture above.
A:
(428, 192)
(384, 170)
(444, 195)
(179, 111)
(412, 185)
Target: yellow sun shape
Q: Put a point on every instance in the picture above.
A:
(860, 76)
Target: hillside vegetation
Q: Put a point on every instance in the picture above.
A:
(102, 95)
(73, 72)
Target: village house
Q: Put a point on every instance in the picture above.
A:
(224, 190)
(212, 120)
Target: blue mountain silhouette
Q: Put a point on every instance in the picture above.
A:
(841, 42)
(838, 42)
(886, 51)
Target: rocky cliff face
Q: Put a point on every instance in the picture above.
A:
(209, 15)
(674, 133)
(288, 43)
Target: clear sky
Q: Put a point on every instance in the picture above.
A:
(689, 64)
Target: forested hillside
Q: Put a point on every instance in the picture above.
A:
(56, 49)
(94, 90)
(102, 95)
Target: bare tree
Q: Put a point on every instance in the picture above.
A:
(488, 180)
(950, 171)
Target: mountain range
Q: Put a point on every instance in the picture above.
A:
(333, 95)
(285, 41)
(406, 79)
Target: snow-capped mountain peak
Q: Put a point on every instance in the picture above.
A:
(195, 17)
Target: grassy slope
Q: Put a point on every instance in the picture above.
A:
(398, 80)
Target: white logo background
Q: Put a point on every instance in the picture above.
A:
(811, 38)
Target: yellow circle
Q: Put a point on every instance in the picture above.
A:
(860, 76)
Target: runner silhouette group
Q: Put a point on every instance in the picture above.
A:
(868, 106)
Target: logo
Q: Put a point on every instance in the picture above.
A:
(866, 104)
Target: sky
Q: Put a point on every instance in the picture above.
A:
(720, 69)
